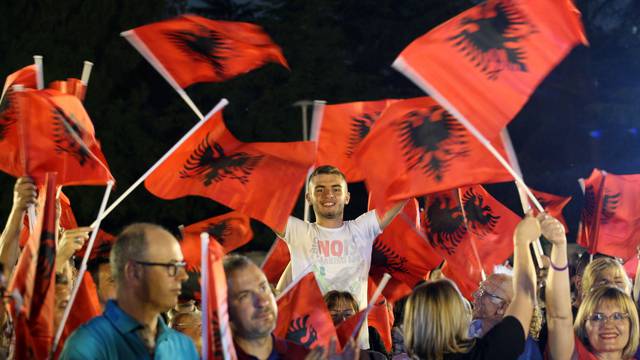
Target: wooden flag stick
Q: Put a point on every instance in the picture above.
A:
(37, 59)
(204, 294)
(164, 157)
(372, 302)
(402, 66)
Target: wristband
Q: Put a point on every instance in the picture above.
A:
(558, 268)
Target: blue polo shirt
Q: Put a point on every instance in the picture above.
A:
(113, 336)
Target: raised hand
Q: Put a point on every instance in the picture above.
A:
(552, 229)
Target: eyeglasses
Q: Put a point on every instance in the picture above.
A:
(600, 318)
(482, 292)
(172, 267)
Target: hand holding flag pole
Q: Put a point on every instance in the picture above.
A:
(221, 104)
(83, 268)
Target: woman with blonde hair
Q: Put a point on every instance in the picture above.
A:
(605, 271)
(437, 318)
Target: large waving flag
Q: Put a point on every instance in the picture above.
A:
(194, 49)
(25, 77)
(303, 316)
(231, 230)
(610, 222)
(261, 180)
(342, 129)
(53, 133)
(484, 64)
(473, 238)
(34, 280)
(423, 150)
(553, 205)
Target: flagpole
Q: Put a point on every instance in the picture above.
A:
(83, 267)
(472, 237)
(204, 293)
(37, 59)
(221, 104)
(86, 72)
(31, 209)
(526, 207)
(408, 71)
(372, 302)
(139, 45)
(303, 105)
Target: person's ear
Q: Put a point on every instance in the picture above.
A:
(347, 198)
(308, 197)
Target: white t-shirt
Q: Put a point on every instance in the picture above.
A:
(339, 257)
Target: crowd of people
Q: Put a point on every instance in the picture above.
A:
(575, 311)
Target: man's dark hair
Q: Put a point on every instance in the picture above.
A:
(233, 262)
(327, 170)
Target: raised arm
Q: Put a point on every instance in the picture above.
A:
(524, 274)
(388, 217)
(24, 194)
(558, 292)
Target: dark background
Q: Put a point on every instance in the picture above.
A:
(582, 116)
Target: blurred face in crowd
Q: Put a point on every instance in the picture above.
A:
(106, 285)
(190, 324)
(160, 285)
(328, 195)
(611, 276)
(341, 310)
(490, 301)
(608, 327)
(63, 295)
(252, 306)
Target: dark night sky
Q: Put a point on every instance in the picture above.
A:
(582, 116)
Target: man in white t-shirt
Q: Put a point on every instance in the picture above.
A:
(338, 251)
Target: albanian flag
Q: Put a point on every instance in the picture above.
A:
(402, 251)
(34, 279)
(192, 49)
(52, 133)
(71, 86)
(471, 238)
(552, 205)
(303, 316)
(610, 221)
(423, 150)
(342, 128)
(276, 261)
(26, 77)
(231, 230)
(261, 180)
(484, 64)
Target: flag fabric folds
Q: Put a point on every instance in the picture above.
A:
(34, 279)
(553, 205)
(194, 49)
(303, 316)
(423, 150)
(231, 230)
(26, 77)
(342, 128)
(610, 221)
(52, 133)
(487, 61)
(261, 180)
(71, 86)
(472, 237)
(276, 261)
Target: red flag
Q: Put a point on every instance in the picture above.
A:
(380, 317)
(26, 77)
(12, 154)
(195, 49)
(424, 150)
(276, 261)
(55, 134)
(261, 180)
(611, 217)
(71, 86)
(217, 328)
(486, 62)
(553, 205)
(303, 316)
(34, 279)
(402, 251)
(631, 267)
(342, 128)
(231, 230)
(487, 235)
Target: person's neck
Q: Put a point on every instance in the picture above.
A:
(609, 355)
(260, 347)
(329, 223)
(143, 313)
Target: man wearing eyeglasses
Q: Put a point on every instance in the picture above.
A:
(148, 268)
(490, 302)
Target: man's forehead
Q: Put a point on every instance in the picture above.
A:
(245, 278)
(328, 180)
(161, 243)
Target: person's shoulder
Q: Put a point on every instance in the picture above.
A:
(89, 340)
(180, 340)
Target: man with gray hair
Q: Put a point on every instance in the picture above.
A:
(148, 268)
